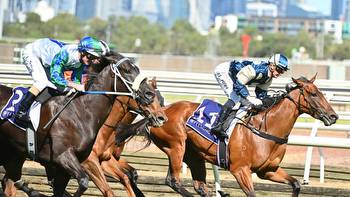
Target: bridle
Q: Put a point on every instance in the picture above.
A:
(313, 110)
(299, 106)
(133, 87)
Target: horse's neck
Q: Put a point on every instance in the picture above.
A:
(280, 120)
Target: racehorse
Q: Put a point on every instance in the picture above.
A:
(103, 151)
(70, 138)
(249, 149)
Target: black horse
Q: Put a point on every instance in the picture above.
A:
(70, 138)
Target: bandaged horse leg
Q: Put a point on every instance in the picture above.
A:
(281, 176)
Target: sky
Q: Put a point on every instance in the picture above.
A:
(324, 6)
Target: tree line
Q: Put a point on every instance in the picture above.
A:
(137, 34)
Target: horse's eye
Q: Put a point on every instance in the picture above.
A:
(149, 94)
(313, 94)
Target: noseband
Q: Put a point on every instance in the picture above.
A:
(133, 87)
(313, 110)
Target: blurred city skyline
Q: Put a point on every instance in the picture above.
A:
(291, 16)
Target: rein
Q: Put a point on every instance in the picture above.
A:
(268, 136)
(264, 134)
(127, 108)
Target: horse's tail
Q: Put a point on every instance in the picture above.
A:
(124, 131)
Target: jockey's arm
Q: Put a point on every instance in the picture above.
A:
(56, 69)
(245, 75)
(261, 90)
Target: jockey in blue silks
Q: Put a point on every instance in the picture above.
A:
(233, 77)
(47, 60)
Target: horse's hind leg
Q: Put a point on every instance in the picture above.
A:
(198, 172)
(281, 176)
(243, 176)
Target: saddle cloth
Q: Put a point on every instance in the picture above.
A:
(206, 114)
(12, 106)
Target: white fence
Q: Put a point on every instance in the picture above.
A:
(199, 84)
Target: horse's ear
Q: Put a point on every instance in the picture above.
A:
(154, 82)
(313, 78)
(298, 82)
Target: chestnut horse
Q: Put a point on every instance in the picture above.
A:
(247, 152)
(103, 151)
(70, 138)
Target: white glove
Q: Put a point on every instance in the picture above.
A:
(71, 91)
(254, 100)
(79, 87)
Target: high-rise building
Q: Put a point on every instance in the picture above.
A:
(63, 6)
(227, 7)
(17, 8)
(178, 10)
(85, 9)
(338, 9)
(199, 15)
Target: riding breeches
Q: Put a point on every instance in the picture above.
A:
(36, 69)
(222, 76)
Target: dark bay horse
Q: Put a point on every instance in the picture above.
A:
(247, 152)
(70, 139)
(102, 155)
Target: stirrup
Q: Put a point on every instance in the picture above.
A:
(218, 131)
(22, 119)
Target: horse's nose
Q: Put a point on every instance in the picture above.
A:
(162, 118)
(334, 117)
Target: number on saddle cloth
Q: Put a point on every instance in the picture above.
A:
(204, 117)
(12, 104)
(14, 101)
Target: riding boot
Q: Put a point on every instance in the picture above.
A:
(217, 128)
(22, 116)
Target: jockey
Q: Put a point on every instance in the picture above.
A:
(233, 77)
(47, 59)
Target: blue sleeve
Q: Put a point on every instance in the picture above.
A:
(240, 89)
(56, 69)
(260, 93)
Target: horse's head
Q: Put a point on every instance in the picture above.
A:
(148, 99)
(127, 78)
(309, 99)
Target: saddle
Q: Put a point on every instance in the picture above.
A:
(202, 120)
(11, 107)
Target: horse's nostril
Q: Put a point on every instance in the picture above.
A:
(162, 118)
(334, 116)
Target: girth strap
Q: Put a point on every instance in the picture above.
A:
(278, 140)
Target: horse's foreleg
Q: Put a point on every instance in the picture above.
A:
(59, 183)
(13, 168)
(198, 172)
(281, 176)
(243, 176)
(113, 169)
(172, 179)
(93, 169)
(70, 163)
